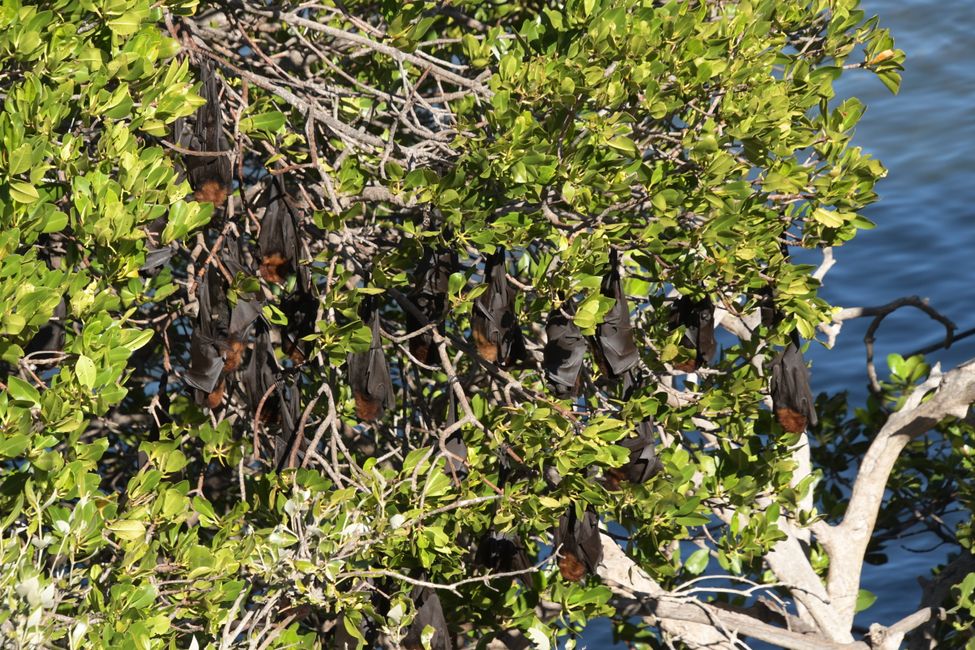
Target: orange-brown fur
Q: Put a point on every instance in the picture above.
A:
(366, 407)
(486, 349)
(294, 352)
(233, 355)
(420, 349)
(687, 366)
(790, 420)
(215, 397)
(613, 479)
(211, 191)
(273, 267)
(571, 568)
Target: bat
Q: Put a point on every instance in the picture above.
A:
(301, 308)
(429, 294)
(454, 446)
(278, 240)
(209, 176)
(563, 355)
(613, 347)
(259, 375)
(582, 550)
(369, 371)
(493, 324)
(217, 343)
(643, 462)
(428, 612)
(501, 552)
(697, 318)
(792, 398)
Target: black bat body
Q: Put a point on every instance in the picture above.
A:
(501, 553)
(429, 611)
(643, 462)
(217, 343)
(454, 446)
(279, 243)
(581, 549)
(209, 176)
(564, 355)
(431, 283)
(493, 324)
(792, 398)
(372, 386)
(697, 318)
(613, 346)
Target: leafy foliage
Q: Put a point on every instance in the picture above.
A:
(695, 142)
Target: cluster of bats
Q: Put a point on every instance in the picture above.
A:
(222, 336)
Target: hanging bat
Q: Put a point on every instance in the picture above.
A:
(613, 347)
(643, 462)
(697, 318)
(279, 243)
(792, 399)
(218, 341)
(455, 449)
(581, 549)
(369, 371)
(431, 282)
(209, 176)
(493, 324)
(428, 612)
(301, 308)
(259, 375)
(564, 354)
(501, 552)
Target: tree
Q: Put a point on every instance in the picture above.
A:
(387, 323)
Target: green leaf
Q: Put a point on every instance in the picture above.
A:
(21, 391)
(84, 369)
(272, 121)
(23, 192)
(864, 600)
(128, 529)
(697, 562)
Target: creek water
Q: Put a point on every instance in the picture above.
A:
(924, 242)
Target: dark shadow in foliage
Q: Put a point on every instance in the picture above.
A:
(369, 370)
(209, 176)
(431, 283)
(581, 549)
(493, 324)
(697, 319)
(564, 354)
(613, 347)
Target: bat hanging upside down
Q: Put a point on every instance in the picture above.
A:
(372, 386)
(697, 318)
(582, 550)
(209, 176)
(564, 354)
(493, 324)
(613, 347)
(432, 280)
(792, 398)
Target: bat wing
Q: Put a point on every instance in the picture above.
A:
(792, 397)
(206, 363)
(643, 462)
(432, 280)
(280, 247)
(496, 331)
(564, 355)
(429, 613)
(588, 541)
(705, 343)
(501, 552)
(244, 314)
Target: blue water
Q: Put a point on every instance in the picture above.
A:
(924, 242)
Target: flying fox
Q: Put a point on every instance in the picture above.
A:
(278, 241)
(209, 176)
(697, 318)
(429, 612)
(582, 550)
(429, 294)
(563, 355)
(792, 398)
(613, 346)
(369, 370)
(495, 329)
(643, 462)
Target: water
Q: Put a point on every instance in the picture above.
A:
(924, 242)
